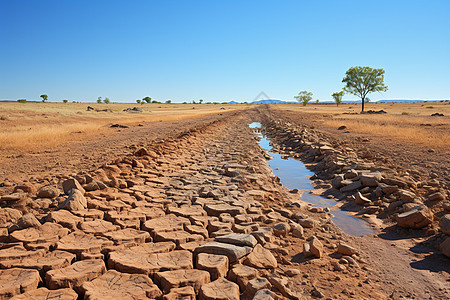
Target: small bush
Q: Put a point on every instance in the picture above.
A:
(22, 100)
(405, 113)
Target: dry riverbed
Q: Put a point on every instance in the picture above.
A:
(194, 212)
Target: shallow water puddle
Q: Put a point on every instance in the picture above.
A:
(294, 175)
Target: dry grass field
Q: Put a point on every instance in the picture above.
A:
(34, 126)
(407, 122)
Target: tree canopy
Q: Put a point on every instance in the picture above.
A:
(304, 97)
(338, 97)
(361, 81)
(44, 97)
(147, 99)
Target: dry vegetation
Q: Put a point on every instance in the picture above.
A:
(37, 126)
(411, 122)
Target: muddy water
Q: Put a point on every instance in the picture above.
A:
(294, 175)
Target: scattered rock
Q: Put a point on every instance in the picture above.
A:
(444, 224)
(180, 278)
(261, 258)
(417, 217)
(233, 252)
(16, 281)
(445, 247)
(48, 192)
(316, 247)
(219, 289)
(346, 249)
(44, 293)
(216, 265)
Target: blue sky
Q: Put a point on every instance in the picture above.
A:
(219, 50)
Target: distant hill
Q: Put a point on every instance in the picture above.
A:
(272, 101)
(233, 102)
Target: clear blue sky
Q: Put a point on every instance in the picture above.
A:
(219, 50)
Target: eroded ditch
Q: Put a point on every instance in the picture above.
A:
(293, 174)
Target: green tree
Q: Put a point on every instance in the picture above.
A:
(44, 97)
(138, 101)
(338, 97)
(99, 100)
(106, 101)
(200, 101)
(361, 81)
(317, 101)
(22, 100)
(65, 101)
(169, 101)
(147, 99)
(304, 97)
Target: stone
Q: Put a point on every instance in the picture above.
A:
(438, 196)
(316, 247)
(445, 247)
(297, 230)
(127, 235)
(281, 229)
(78, 242)
(131, 262)
(292, 272)
(17, 252)
(75, 201)
(214, 226)
(233, 252)
(16, 281)
(281, 284)
(75, 275)
(361, 200)
(187, 210)
(263, 235)
(65, 218)
(167, 223)
(47, 233)
(351, 187)
(256, 284)
(265, 294)
(48, 192)
(261, 258)
(178, 237)
(184, 293)
(418, 217)
(220, 289)
(196, 229)
(216, 265)
(306, 223)
(115, 285)
(49, 261)
(28, 220)
(242, 275)
(98, 227)
(238, 239)
(217, 209)
(72, 184)
(346, 249)
(44, 293)
(444, 224)
(407, 196)
(180, 278)
(9, 215)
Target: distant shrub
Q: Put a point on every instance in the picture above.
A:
(22, 100)
(65, 101)
(405, 113)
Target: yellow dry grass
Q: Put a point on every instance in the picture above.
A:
(38, 126)
(407, 122)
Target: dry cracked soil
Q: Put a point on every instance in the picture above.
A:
(192, 210)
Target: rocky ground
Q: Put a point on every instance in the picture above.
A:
(199, 214)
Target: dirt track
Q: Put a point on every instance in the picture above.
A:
(212, 175)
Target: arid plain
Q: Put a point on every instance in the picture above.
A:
(167, 199)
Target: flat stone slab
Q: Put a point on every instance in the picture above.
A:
(238, 239)
(116, 285)
(78, 242)
(98, 227)
(180, 278)
(178, 237)
(44, 293)
(137, 263)
(166, 223)
(9, 215)
(217, 209)
(220, 289)
(15, 281)
(185, 293)
(64, 218)
(46, 233)
(127, 235)
(75, 275)
(17, 253)
(187, 210)
(233, 252)
(50, 261)
(216, 265)
(150, 212)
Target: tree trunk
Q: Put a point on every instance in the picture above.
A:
(363, 100)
